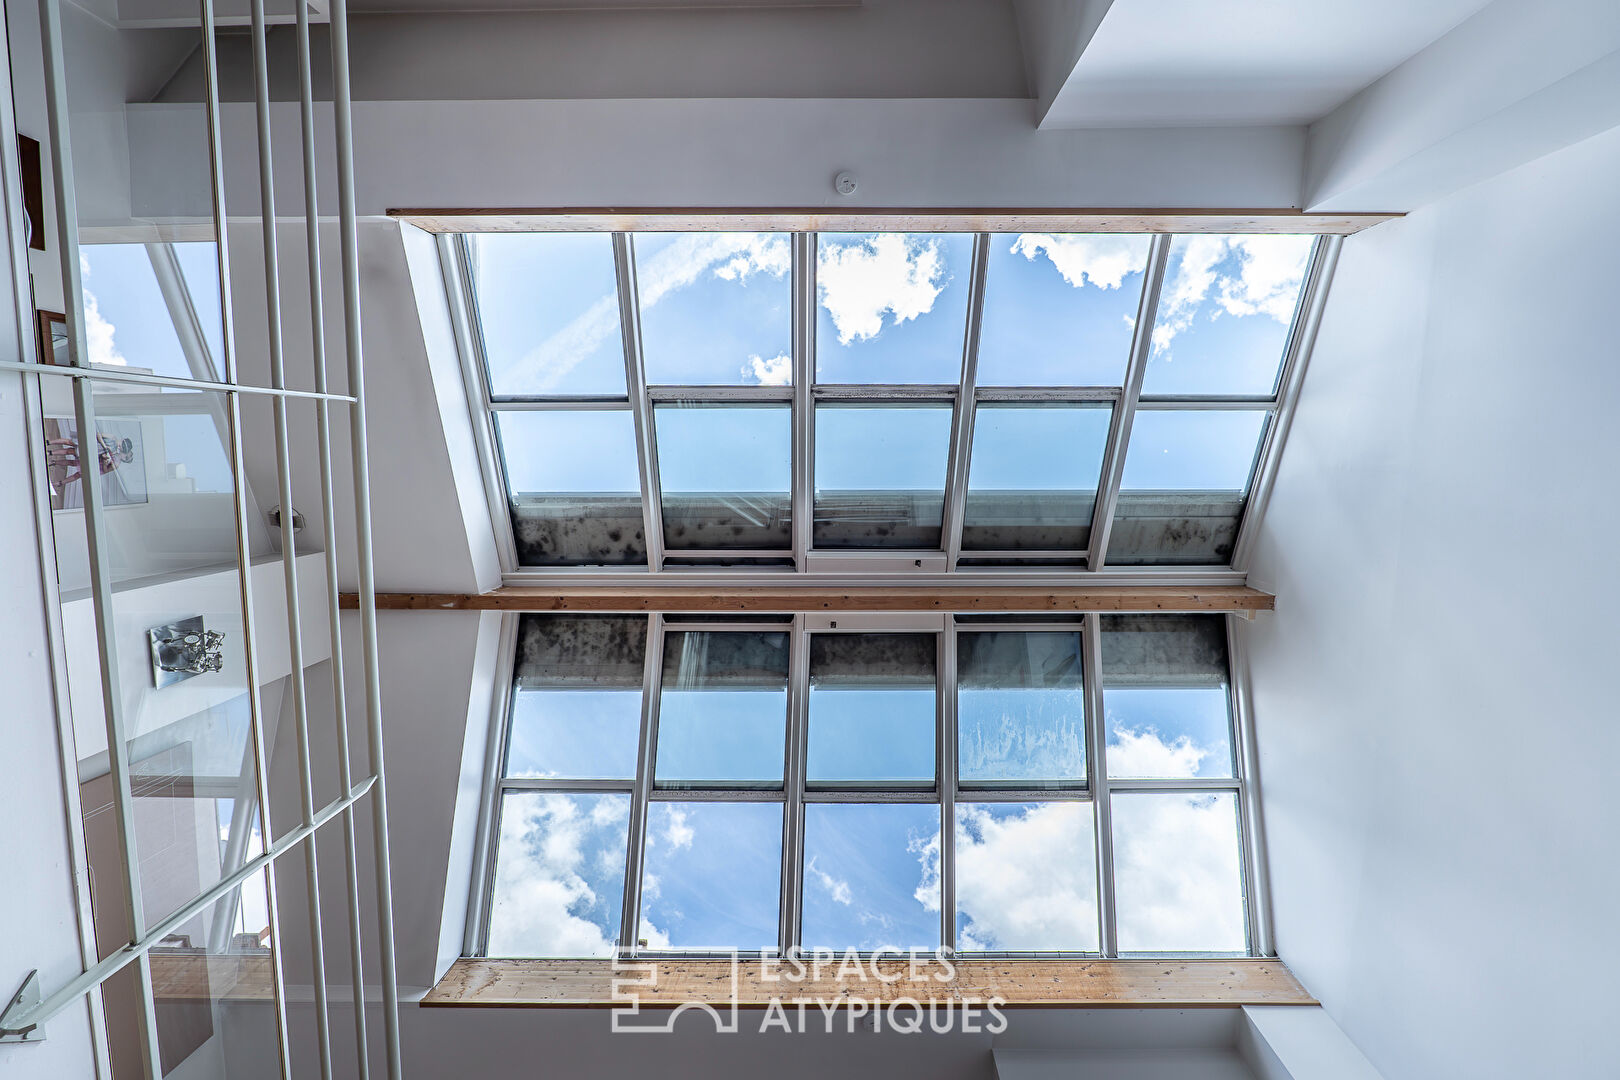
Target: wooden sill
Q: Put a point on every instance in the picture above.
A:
(1129, 983)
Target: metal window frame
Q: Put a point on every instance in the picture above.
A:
(963, 397)
(23, 1019)
(945, 792)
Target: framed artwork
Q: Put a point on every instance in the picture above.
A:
(120, 464)
(51, 337)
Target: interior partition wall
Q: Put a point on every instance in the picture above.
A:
(193, 606)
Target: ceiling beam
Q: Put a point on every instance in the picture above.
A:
(590, 983)
(793, 598)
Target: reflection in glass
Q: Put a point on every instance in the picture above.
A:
(153, 307)
(1178, 880)
(1185, 483)
(891, 307)
(722, 712)
(871, 876)
(1059, 310)
(880, 475)
(1224, 314)
(1033, 476)
(1021, 714)
(559, 874)
(575, 486)
(1164, 681)
(724, 474)
(713, 875)
(1026, 877)
(548, 310)
(716, 308)
(872, 708)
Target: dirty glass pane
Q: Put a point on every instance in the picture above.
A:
(716, 308)
(548, 310)
(576, 705)
(1185, 484)
(1026, 877)
(713, 876)
(722, 713)
(1224, 314)
(1032, 479)
(1021, 716)
(1060, 310)
(1164, 680)
(559, 874)
(891, 307)
(1178, 879)
(871, 876)
(575, 486)
(724, 471)
(872, 708)
(880, 475)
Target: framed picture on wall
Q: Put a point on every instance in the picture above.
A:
(121, 462)
(51, 337)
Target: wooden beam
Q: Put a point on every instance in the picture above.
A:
(1132, 983)
(1000, 598)
(925, 219)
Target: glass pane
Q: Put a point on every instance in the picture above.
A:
(1021, 708)
(213, 986)
(559, 874)
(576, 705)
(713, 877)
(146, 304)
(722, 712)
(872, 708)
(880, 475)
(1186, 480)
(1224, 315)
(1178, 881)
(1032, 480)
(724, 471)
(891, 307)
(871, 876)
(1060, 310)
(1026, 877)
(575, 487)
(548, 309)
(1165, 696)
(716, 308)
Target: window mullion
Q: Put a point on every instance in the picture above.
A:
(475, 934)
(962, 432)
(1119, 431)
(947, 773)
(635, 384)
(1245, 762)
(792, 896)
(1097, 772)
(804, 375)
(635, 853)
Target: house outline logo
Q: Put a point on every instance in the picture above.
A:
(627, 1007)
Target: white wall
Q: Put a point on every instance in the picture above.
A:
(1435, 696)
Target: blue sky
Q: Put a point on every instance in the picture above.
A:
(574, 734)
(713, 875)
(870, 734)
(733, 736)
(724, 448)
(882, 448)
(867, 878)
(1060, 310)
(731, 323)
(551, 451)
(1187, 728)
(1189, 450)
(1043, 447)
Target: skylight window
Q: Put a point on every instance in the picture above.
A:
(1034, 399)
(746, 785)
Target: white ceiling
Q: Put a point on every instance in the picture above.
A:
(1166, 63)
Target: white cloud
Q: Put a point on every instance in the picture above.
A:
(889, 274)
(1100, 259)
(1027, 881)
(1144, 753)
(776, 371)
(837, 888)
(729, 256)
(542, 898)
(676, 830)
(926, 848)
(98, 334)
(1269, 270)
(1176, 873)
